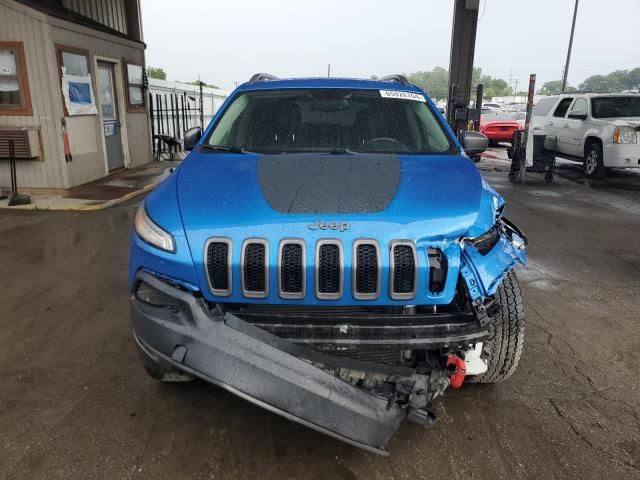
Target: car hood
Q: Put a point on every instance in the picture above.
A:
(414, 196)
(429, 200)
(623, 121)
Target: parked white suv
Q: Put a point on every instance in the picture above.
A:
(602, 130)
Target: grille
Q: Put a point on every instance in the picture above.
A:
(328, 267)
(218, 266)
(254, 269)
(292, 284)
(329, 270)
(366, 271)
(403, 272)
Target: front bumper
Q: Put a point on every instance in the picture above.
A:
(274, 373)
(621, 155)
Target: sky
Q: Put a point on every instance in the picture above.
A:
(225, 41)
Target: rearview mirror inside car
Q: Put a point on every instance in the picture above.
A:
(473, 143)
(191, 138)
(578, 116)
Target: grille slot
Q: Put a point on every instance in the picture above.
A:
(291, 268)
(218, 254)
(404, 270)
(254, 267)
(437, 270)
(329, 269)
(366, 270)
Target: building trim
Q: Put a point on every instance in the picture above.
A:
(25, 109)
(63, 13)
(125, 75)
(79, 51)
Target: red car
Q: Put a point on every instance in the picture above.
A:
(498, 126)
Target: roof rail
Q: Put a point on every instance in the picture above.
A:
(262, 77)
(401, 79)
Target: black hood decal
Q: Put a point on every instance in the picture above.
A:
(323, 183)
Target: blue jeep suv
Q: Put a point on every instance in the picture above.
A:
(329, 252)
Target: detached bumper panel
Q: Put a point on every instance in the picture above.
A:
(258, 371)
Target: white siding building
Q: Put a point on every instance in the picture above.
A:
(72, 90)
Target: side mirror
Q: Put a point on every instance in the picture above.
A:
(191, 137)
(474, 143)
(578, 116)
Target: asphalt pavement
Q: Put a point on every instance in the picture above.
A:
(76, 404)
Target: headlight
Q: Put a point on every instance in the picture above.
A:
(485, 242)
(151, 233)
(625, 135)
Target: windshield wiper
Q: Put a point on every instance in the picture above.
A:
(222, 148)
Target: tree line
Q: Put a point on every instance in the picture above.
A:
(616, 81)
(436, 82)
(159, 74)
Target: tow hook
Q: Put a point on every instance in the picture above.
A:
(459, 370)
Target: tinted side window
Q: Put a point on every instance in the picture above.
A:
(580, 106)
(543, 107)
(561, 109)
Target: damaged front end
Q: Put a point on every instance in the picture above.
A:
(353, 372)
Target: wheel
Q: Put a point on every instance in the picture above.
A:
(506, 334)
(162, 371)
(593, 164)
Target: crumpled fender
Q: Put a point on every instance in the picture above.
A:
(484, 273)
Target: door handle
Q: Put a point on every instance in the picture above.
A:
(550, 123)
(566, 125)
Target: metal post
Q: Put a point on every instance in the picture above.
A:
(566, 65)
(530, 96)
(479, 96)
(153, 127)
(463, 42)
(15, 198)
(328, 70)
(182, 112)
(12, 166)
(201, 107)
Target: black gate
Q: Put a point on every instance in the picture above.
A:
(173, 113)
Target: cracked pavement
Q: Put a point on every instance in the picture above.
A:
(75, 402)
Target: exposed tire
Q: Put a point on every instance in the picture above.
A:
(593, 161)
(162, 372)
(506, 329)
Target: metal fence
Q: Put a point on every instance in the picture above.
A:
(176, 107)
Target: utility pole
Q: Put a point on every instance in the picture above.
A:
(566, 65)
(328, 70)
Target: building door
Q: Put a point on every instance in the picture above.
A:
(110, 115)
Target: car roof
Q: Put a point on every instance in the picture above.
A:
(324, 82)
(592, 94)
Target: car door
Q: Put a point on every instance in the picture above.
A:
(555, 124)
(571, 132)
(541, 120)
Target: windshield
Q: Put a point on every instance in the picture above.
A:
(331, 120)
(610, 107)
